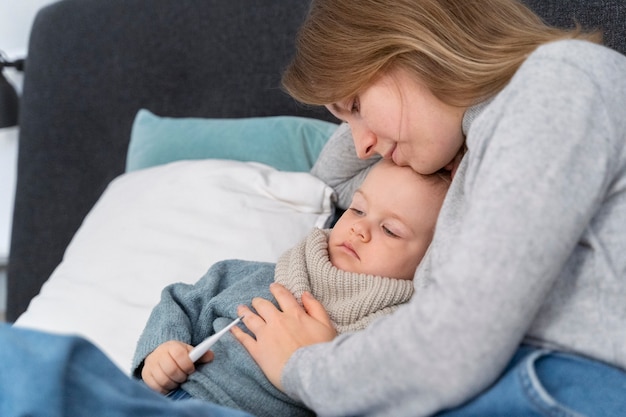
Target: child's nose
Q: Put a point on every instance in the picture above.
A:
(362, 231)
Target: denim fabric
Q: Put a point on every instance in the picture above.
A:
(178, 395)
(44, 375)
(542, 383)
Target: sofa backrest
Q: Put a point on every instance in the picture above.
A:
(92, 64)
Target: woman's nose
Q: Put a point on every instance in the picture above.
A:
(364, 141)
(361, 231)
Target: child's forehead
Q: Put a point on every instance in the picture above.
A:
(388, 174)
(401, 187)
(391, 189)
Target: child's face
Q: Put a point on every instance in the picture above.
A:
(389, 224)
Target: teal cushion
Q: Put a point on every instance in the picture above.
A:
(286, 143)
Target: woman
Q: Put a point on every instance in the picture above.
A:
(524, 312)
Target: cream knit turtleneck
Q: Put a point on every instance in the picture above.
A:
(352, 300)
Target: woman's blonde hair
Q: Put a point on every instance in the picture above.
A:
(463, 50)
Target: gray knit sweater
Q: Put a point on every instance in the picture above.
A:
(530, 245)
(190, 313)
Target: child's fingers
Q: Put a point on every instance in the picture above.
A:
(207, 357)
(181, 365)
(158, 380)
(168, 366)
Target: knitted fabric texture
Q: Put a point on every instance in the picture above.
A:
(352, 300)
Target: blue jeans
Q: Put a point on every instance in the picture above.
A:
(178, 395)
(541, 383)
(43, 375)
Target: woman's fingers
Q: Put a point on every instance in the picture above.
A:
(278, 333)
(315, 309)
(245, 339)
(285, 299)
(252, 320)
(266, 310)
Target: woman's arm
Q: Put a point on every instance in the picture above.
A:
(535, 174)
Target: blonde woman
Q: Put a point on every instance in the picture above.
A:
(522, 312)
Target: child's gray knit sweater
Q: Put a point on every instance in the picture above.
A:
(530, 246)
(190, 313)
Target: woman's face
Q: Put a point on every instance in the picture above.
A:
(400, 119)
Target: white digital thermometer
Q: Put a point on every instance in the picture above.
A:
(197, 352)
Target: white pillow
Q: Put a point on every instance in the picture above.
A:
(166, 224)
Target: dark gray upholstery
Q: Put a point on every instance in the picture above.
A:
(606, 15)
(92, 64)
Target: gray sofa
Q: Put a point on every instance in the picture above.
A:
(93, 64)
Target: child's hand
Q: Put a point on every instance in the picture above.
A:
(169, 365)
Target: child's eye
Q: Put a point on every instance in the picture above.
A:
(357, 211)
(388, 232)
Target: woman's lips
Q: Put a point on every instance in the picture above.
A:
(394, 155)
(389, 155)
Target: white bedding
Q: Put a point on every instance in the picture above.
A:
(166, 224)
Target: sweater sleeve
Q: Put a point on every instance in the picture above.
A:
(541, 160)
(174, 318)
(339, 167)
(187, 312)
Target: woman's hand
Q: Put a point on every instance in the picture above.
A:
(280, 333)
(169, 365)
